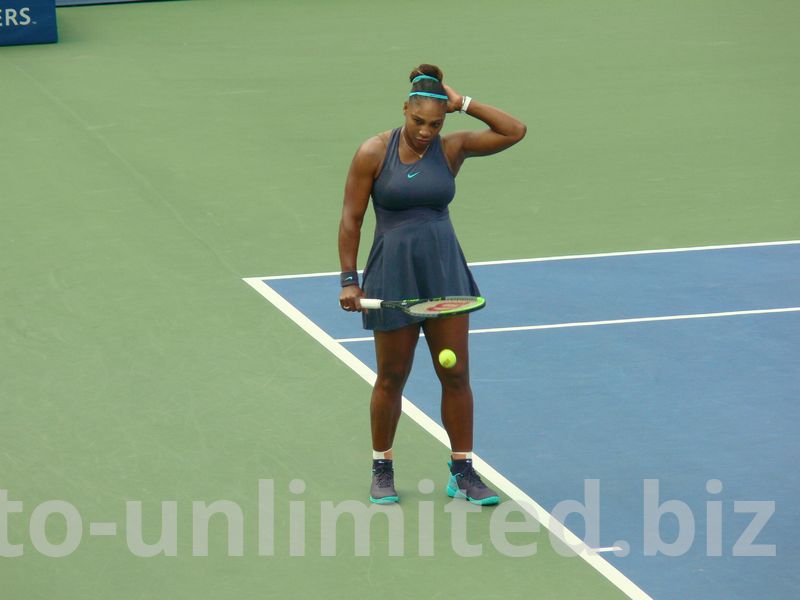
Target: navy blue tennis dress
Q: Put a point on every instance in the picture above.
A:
(415, 253)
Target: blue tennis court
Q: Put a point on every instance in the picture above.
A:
(657, 389)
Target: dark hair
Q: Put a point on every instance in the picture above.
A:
(429, 86)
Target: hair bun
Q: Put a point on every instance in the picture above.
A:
(426, 69)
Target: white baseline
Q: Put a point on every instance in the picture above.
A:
(572, 257)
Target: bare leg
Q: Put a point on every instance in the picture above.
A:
(394, 351)
(451, 332)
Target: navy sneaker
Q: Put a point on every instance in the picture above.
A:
(382, 490)
(466, 483)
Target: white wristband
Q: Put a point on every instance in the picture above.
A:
(465, 100)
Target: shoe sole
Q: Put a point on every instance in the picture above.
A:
(457, 493)
(385, 500)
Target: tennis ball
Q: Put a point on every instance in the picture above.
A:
(447, 358)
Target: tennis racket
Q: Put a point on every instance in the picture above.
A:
(445, 306)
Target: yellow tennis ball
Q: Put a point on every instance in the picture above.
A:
(447, 358)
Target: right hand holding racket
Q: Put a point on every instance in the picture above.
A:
(349, 298)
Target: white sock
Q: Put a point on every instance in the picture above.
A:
(465, 455)
(384, 455)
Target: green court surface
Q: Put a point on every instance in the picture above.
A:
(161, 152)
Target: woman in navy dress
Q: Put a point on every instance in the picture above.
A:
(410, 174)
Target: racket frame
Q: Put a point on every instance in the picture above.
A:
(407, 306)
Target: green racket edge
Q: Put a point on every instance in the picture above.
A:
(480, 303)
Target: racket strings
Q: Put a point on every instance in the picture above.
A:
(445, 306)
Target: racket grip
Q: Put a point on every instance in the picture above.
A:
(370, 303)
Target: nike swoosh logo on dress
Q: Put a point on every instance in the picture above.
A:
(412, 175)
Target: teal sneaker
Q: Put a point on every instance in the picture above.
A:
(466, 483)
(382, 490)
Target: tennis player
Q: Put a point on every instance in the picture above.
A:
(410, 174)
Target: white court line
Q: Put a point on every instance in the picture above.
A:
(608, 549)
(514, 493)
(633, 253)
(736, 313)
(577, 256)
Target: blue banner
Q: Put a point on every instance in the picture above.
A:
(87, 2)
(27, 22)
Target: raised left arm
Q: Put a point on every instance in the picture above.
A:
(504, 130)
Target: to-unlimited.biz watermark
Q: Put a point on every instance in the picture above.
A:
(511, 517)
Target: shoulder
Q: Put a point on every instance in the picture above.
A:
(375, 146)
(371, 152)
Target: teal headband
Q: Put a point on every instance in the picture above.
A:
(418, 77)
(428, 94)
